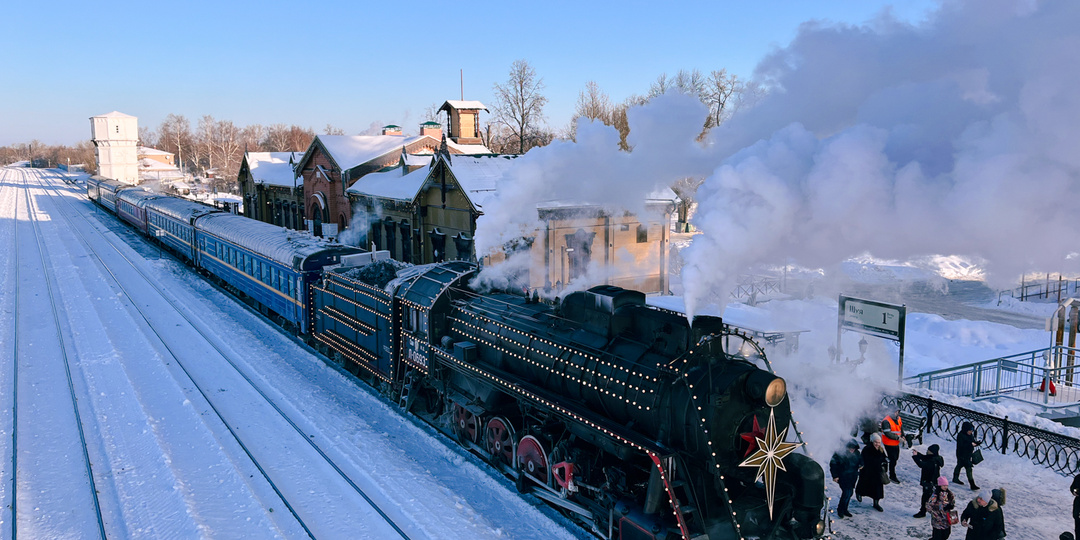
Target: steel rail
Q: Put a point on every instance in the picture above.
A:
(67, 361)
(232, 363)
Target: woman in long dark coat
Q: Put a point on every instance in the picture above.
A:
(870, 485)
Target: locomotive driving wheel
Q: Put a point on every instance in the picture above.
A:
(532, 458)
(466, 424)
(499, 440)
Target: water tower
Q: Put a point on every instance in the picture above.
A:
(115, 136)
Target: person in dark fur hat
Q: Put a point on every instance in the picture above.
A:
(965, 446)
(931, 464)
(844, 467)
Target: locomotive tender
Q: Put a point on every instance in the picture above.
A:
(625, 416)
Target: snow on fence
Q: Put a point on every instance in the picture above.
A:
(1057, 452)
(1050, 287)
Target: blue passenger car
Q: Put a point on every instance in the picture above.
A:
(103, 191)
(131, 206)
(271, 265)
(172, 222)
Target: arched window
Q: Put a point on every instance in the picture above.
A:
(388, 225)
(406, 241)
(438, 245)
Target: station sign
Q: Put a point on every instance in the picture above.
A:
(873, 318)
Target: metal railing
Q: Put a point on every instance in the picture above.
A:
(1019, 376)
(1050, 287)
(1058, 452)
(752, 287)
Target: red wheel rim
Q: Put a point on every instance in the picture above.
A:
(499, 440)
(464, 424)
(532, 458)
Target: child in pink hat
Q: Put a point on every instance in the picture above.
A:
(941, 503)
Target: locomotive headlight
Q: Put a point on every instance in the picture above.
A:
(775, 392)
(762, 385)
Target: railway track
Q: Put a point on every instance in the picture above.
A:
(46, 415)
(293, 474)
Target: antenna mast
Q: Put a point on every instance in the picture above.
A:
(462, 73)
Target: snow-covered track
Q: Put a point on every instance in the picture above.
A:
(47, 458)
(302, 476)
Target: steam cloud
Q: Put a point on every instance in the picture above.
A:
(954, 136)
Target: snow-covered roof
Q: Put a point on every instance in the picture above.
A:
(136, 195)
(147, 151)
(391, 184)
(273, 168)
(460, 104)
(662, 195)
(469, 148)
(114, 114)
(478, 175)
(182, 209)
(417, 160)
(150, 164)
(277, 243)
(348, 151)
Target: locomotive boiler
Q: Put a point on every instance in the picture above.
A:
(625, 415)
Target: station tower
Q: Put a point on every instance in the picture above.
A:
(115, 137)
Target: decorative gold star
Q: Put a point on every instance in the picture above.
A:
(769, 456)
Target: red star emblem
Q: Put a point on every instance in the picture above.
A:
(752, 437)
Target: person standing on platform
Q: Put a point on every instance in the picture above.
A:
(892, 432)
(844, 467)
(965, 446)
(940, 504)
(931, 463)
(874, 463)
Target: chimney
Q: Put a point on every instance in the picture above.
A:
(431, 128)
(391, 130)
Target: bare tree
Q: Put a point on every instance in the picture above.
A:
(331, 130)
(300, 138)
(226, 149)
(147, 137)
(203, 144)
(721, 95)
(691, 83)
(174, 135)
(593, 104)
(431, 113)
(251, 138)
(277, 138)
(519, 105)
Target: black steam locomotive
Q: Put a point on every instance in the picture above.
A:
(623, 415)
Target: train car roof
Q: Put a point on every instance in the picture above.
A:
(279, 244)
(423, 284)
(137, 195)
(177, 208)
(113, 185)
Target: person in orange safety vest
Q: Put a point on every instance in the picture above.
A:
(891, 434)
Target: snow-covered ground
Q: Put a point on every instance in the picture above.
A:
(200, 419)
(159, 362)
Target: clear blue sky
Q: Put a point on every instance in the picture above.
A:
(352, 64)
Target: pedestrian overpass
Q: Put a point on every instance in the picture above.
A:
(1019, 378)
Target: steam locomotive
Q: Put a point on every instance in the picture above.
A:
(625, 416)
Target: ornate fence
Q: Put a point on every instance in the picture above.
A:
(1057, 452)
